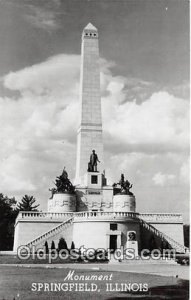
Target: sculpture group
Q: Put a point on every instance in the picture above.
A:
(63, 184)
(123, 186)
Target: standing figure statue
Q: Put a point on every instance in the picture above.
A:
(122, 180)
(92, 165)
(53, 191)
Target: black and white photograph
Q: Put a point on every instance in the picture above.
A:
(95, 149)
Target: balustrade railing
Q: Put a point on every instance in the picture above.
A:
(43, 215)
(104, 215)
(164, 217)
(170, 218)
(84, 214)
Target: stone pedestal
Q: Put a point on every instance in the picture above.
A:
(94, 194)
(93, 180)
(62, 202)
(124, 203)
(133, 245)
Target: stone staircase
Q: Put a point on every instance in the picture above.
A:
(51, 233)
(175, 245)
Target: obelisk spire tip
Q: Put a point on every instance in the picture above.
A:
(90, 26)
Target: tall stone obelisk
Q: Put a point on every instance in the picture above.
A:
(90, 130)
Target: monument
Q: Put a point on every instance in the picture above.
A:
(90, 212)
(89, 134)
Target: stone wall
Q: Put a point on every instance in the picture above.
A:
(26, 231)
(97, 235)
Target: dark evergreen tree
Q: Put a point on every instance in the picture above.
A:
(62, 244)
(27, 204)
(186, 235)
(72, 245)
(53, 248)
(152, 243)
(8, 215)
(46, 247)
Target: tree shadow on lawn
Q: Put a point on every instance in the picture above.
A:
(179, 291)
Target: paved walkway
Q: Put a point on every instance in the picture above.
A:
(155, 269)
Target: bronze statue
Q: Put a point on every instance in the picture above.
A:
(92, 165)
(63, 184)
(53, 191)
(124, 188)
(131, 236)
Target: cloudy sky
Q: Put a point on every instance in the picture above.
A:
(144, 63)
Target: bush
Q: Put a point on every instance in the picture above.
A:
(62, 244)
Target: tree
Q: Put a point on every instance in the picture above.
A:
(152, 243)
(8, 215)
(72, 246)
(46, 247)
(53, 246)
(26, 204)
(62, 244)
(186, 235)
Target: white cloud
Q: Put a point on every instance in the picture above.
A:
(56, 77)
(38, 130)
(45, 16)
(163, 179)
(147, 141)
(158, 124)
(12, 170)
(185, 172)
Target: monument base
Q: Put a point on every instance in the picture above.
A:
(62, 202)
(124, 203)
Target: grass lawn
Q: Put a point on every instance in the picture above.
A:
(16, 283)
(14, 259)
